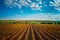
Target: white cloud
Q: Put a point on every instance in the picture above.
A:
(19, 6)
(57, 1)
(32, 5)
(37, 16)
(41, 16)
(20, 3)
(15, 4)
(55, 17)
(35, 6)
(9, 2)
(23, 3)
(51, 2)
(40, 2)
(56, 4)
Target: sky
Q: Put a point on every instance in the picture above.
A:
(30, 10)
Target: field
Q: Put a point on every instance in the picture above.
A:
(22, 31)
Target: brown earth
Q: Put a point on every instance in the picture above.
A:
(29, 32)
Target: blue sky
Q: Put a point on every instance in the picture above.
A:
(30, 10)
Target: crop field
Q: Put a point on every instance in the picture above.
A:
(29, 32)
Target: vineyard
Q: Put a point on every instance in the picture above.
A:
(29, 32)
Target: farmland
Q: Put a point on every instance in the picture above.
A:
(15, 30)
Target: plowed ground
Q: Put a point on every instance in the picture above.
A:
(29, 32)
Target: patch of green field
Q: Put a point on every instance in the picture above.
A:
(28, 22)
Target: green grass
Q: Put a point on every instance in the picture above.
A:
(28, 22)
